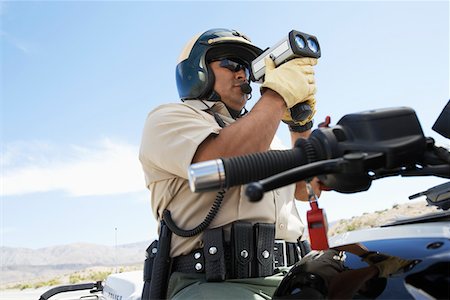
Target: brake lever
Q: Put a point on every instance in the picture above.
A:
(256, 190)
(351, 163)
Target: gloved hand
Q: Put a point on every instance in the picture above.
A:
(391, 265)
(386, 264)
(373, 257)
(298, 126)
(293, 80)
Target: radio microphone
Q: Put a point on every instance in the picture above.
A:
(246, 88)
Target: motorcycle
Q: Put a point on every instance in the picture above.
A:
(347, 157)
(362, 147)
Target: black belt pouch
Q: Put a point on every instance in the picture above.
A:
(148, 268)
(264, 240)
(241, 249)
(213, 249)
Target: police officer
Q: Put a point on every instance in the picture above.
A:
(211, 122)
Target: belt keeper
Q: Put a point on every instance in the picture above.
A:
(305, 247)
(292, 254)
(214, 251)
(280, 254)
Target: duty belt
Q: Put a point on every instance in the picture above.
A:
(251, 252)
(284, 254)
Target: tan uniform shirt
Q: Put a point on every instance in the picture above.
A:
(171, 136)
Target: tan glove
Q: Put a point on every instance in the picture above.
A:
(391, 265)
(293, 80)
(386, 264)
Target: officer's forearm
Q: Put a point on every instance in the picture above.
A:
(299, 135)
(249, 134)
(300, 188)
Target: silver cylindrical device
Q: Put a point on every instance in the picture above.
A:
(206, 176)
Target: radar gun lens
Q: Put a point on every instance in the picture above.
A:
(300, 41)
(312, 45)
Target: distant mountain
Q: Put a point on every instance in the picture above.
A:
(398, 212)
(79, 253)
(23, 264)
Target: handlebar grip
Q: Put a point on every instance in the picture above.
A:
(233, 171)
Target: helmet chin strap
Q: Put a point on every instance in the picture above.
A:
(245, 88)
(214, 96)
(235, 113)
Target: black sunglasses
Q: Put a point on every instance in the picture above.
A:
(234, 66)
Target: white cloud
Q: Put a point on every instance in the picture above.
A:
(108, 167)
(277, 144)
(21, 45)
(18, 43)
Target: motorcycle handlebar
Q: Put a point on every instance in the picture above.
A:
(370, 145)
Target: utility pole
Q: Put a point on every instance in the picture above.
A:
(115, 249)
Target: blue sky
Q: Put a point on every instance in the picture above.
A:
(78, 79)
